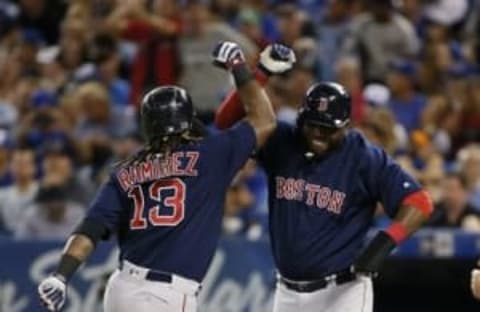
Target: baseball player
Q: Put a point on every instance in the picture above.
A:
(324, 182)
(165, 203)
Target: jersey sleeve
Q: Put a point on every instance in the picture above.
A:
(268, 156)
(106, 207)
(387, 181)
(232, 148)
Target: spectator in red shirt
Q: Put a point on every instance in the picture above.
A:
(470, 130)
(155, 29)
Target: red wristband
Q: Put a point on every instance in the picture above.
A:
(397, 232)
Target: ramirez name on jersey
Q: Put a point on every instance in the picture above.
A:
(176, 164)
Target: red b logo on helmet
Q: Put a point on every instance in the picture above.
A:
(322, 104)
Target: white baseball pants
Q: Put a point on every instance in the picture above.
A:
(354, 296)
(128, 290)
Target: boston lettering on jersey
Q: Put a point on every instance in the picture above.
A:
(176, 164)
(312, 194)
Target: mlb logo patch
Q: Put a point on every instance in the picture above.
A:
(322, 105)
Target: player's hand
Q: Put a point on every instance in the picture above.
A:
(52, 292)
(366, 267)
(475, 283)
(227, 54)
(276, 59)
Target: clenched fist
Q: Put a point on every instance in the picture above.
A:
(227, 54)
(52, 292)
(276, 59)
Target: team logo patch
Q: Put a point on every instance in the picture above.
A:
(322, 105)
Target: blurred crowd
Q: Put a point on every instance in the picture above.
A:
(72, 74)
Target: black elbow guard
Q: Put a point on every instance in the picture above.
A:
(93, 230)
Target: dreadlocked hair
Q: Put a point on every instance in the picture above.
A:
(158, 148)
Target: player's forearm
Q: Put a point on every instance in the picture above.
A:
(257, 105)
(76, 251)
(79, 246)
(410, 219)
(259, 111)
(231, 110)
(413, 211)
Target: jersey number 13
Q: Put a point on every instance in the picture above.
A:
(176, 201)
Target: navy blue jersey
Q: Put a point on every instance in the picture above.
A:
(167, 213)
(321, 209)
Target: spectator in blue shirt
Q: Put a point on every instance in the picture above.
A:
(406, 103)
(107, 61)
(332, 30)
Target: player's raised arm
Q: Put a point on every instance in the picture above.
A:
(274, 59)
(256, 104)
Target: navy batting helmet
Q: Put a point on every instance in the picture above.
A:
(166, 111)
(326, 104)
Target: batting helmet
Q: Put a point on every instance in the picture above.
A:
(327, 104)
(166, 111)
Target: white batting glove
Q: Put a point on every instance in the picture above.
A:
(227, 54)
(276, 59)
(52, 292)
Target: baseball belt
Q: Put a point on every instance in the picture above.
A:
(340, 277)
